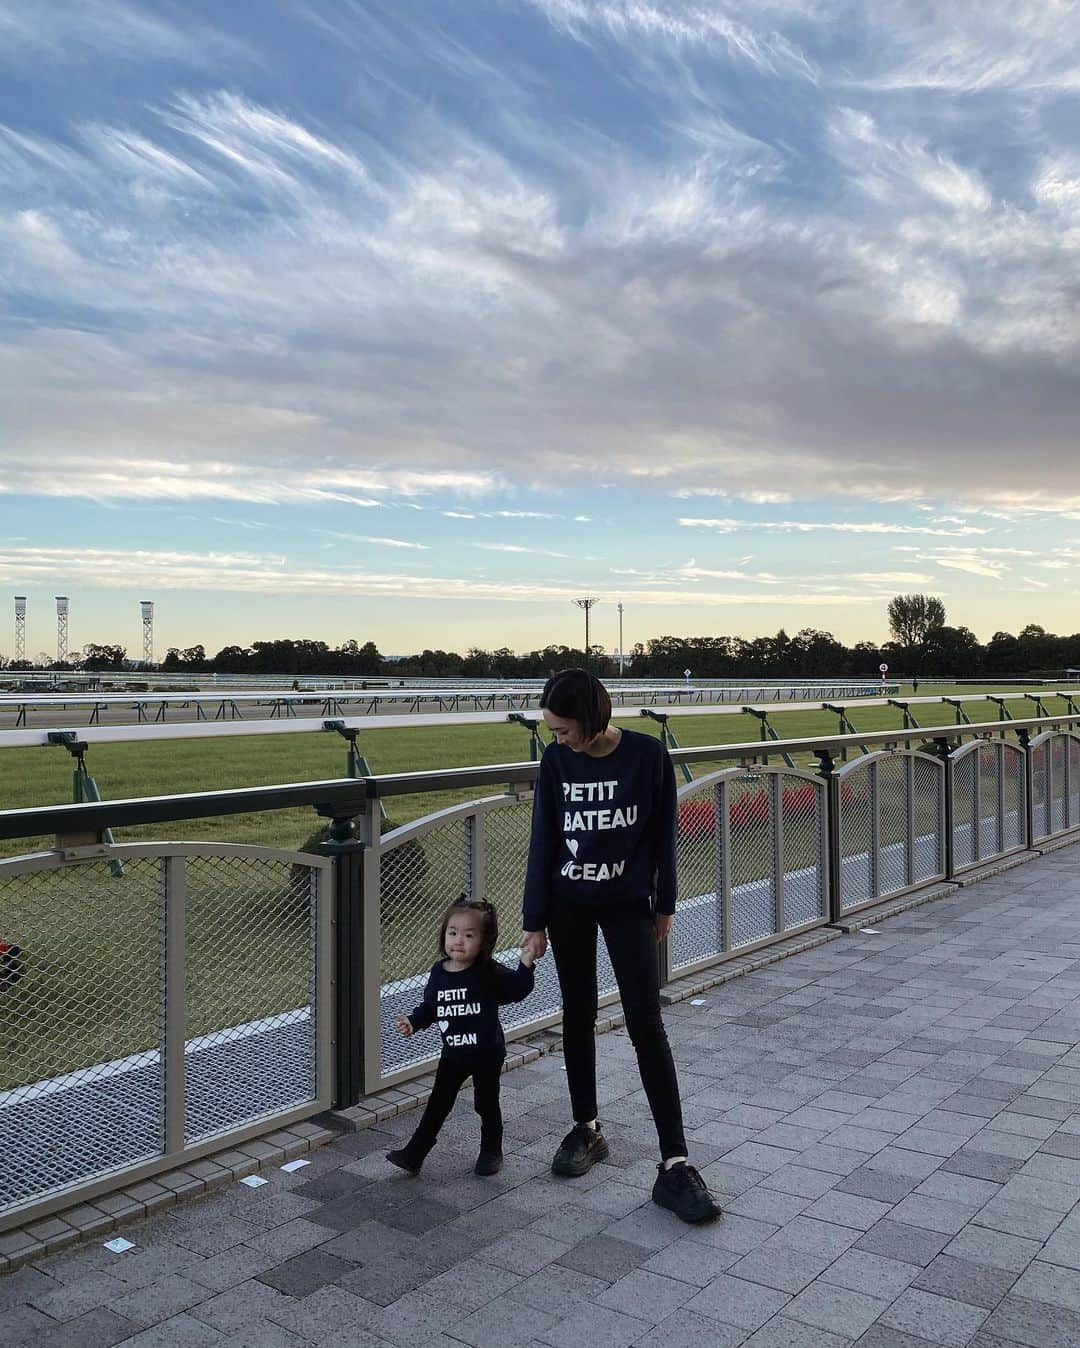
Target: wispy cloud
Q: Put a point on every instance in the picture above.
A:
(730, 526)
(269, 574)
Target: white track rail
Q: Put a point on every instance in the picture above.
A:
(153, 731)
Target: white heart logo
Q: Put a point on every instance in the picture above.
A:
(444, 1025)
(572, 843)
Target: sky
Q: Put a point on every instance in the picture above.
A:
(413, 322)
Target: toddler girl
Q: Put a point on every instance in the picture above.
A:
(463, 995)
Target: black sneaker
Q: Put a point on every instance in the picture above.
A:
(581, 1148)
(488, 1163)
(405, 1160)
(682, 1190)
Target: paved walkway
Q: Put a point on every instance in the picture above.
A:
(894, 1119)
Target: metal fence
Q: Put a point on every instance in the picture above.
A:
(157, 999)
(162, 999)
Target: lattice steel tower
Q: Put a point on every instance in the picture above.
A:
(147, 607)
(61, 627)
(20, 627)
(586, 604)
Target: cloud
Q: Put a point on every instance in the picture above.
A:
(728, 526)
(369, 538)
(268, 574)
(761, 260)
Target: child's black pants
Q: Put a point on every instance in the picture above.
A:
(449, 1078)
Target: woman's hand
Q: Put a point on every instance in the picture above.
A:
(404, 1025)
(534, 945)
(663, 923)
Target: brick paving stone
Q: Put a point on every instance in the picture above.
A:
(179, 1331)
(804, 1233)
(23, 1323)
(734, 1301)
(604, 1257)
(781, 1267)
(159, 1300)
(501, 1323)
(936, 1318)
(69, 1300)
(261, 1334)
(780, 1332)
(876, 1274)
(877, 1184)
(964, 1280)
(691, 1262)
(846, 1209)
(687, 1329)
(305, 1273)
(838, 1309)
(1043, 1281)
(329, 1311)
(648, 1296)
(386, 1279)
(230, 1311)
(908, 1244)
(99, 1328)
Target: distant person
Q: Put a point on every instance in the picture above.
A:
(915, 685)
(463, 994)
(602, 859)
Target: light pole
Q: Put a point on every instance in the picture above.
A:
(586, 603)
(622, 656)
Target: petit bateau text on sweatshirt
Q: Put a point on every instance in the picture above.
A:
(464, 1004)
(603, 829)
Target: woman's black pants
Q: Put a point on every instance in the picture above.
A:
(631, 942)
(449, 1079)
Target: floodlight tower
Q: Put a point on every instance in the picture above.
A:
(61, 627)
(20, 627)
(586, 603)
(147, 607)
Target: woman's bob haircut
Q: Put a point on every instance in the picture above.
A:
(577, 695)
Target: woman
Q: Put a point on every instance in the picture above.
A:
(602, 858)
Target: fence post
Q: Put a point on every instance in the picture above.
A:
(941, 747)
(355, 992)
(833, 853)
(1024, 736)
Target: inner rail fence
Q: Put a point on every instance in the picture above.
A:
(162, 1000)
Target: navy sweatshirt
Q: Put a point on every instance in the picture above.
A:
(465, 1006)
(603, 829)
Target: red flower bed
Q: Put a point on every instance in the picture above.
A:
(697, 818)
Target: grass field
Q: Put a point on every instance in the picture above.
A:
(42, 776)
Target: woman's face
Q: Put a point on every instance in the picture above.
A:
(566, 731)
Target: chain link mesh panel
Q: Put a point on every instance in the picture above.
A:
(804, 864)
(1040, 765)
(965, 831)
(893, 806)
(250, 1040)
(418, 878)
(751, 863)
(926, 801)
(998, 769)
(1014, 781)
(1074, 782)
(1058, 797)
(906, 846)
(698, 931)
(856, 833)
(81, 1090)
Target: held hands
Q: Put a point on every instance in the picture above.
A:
(533, 947)
(663, 923)
(404, 1025)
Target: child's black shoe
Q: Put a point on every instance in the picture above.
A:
(405, 1160)
(488, 1163)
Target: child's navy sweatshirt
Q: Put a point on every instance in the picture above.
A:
(603, 829)
(465, 1006)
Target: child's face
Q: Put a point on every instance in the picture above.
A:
(464, 936)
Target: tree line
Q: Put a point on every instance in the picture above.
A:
(921, 644)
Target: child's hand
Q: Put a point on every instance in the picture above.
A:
(404, 1025)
